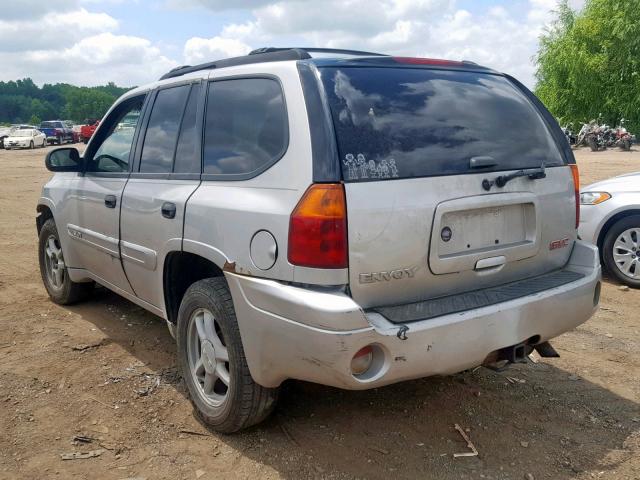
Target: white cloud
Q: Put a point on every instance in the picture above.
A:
(437, 28)
(200, 50)
(33, 9)
(217, 5)
(53, 30)
(96, 60)
(78, 44)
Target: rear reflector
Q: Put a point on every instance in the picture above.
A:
(576, 185)
(362, 360)
(426, 61)
(318, 228)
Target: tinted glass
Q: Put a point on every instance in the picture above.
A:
(187, 154)
(112, 155)
(401, 123)
(246, 126)
(162, 130)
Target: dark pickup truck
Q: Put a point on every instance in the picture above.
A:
(57, 132)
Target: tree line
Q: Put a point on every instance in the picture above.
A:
(22, 101)
(588, 63)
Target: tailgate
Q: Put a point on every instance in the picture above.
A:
(399, 254)
(422, 150)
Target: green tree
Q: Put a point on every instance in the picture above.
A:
(23, 99)
(34, 120)
(588, 63)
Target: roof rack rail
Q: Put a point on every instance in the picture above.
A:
(266, 54)
(276, 55)
(339, 51)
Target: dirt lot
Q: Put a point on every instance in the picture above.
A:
(106, 370)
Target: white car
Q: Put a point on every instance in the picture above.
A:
(25, 138)
(610, 219)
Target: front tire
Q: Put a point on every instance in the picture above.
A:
(593, 145)
(61, 289)
(621, 250)
(31, 145)
(213, 362)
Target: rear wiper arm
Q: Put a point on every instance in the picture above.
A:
(502, 180)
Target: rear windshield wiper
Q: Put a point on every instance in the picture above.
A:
(502, 180)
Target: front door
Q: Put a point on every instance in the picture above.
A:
(94, 223)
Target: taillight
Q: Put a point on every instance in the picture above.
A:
(318, 228)
(576, 185)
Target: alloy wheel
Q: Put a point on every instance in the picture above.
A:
(54, 262)
(208, 357)
(626, 251)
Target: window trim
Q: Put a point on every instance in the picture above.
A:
(198, 131)
(135, 169)
(266, 166)
(324, 149)
(134, 142)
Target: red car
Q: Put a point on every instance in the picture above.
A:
(87, 130)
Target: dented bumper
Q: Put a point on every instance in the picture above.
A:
(312, 335)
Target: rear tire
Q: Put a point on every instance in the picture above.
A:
(626, 145)
(61, 289)
(619, 255)
(210, 351)
(31, 145)
(593, 145)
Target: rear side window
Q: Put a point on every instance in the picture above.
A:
(404, 123)
(162, 132)
(246, 127)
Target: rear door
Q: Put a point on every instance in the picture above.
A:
(166, 173)
(416, 146)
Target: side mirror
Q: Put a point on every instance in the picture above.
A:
(64, 160)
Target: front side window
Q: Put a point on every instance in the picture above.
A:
(246, 128)
(112, 154)
(162, 132)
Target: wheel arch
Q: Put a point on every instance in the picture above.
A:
(181, 269)
(612, 221)
(44, 212)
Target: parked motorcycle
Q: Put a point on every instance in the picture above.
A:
(567, 130)
(622, 138)
(591, 134)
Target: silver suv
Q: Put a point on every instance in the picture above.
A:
(345, 218)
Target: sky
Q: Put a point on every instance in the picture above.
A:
(133, 42)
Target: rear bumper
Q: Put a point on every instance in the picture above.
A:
(312, 335)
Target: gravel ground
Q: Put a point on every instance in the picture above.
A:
(104, 373)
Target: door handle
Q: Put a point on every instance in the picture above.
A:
(168, 210)
(110, 201)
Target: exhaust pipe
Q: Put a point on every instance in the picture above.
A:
(545, 349)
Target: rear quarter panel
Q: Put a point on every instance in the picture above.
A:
(222, 216)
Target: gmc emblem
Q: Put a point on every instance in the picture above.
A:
(559, 244)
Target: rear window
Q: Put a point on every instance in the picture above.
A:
(404, 123)
(50, 125)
